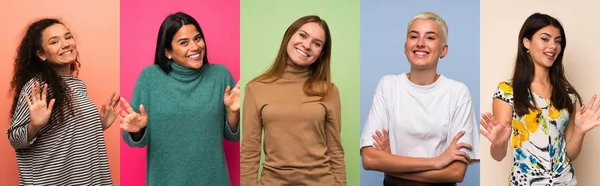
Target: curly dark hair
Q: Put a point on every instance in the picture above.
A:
(29, 66)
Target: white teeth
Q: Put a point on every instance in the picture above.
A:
(194, 56)
(67, 53)
(549, 54)
(301, 53)
(420, 53)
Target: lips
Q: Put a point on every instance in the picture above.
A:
(421, 53)
(550, 55)
(68, 52)
(194, 56)
(302, 52)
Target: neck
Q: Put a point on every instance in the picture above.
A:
(294, 71)
(423, 76)
(63, 70)
(541, 75)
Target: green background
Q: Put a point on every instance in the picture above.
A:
(263, 24)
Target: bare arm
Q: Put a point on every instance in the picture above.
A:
(502, 111)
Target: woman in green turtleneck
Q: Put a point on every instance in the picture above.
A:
(186, 107)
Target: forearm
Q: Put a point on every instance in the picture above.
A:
(498, 151)
(453, 173)
(233, 119)
(574, 143)
(377, 160)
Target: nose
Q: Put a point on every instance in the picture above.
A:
(194, 46)
(306, 44)
(421, 43)
(552, 45)
(65, 44)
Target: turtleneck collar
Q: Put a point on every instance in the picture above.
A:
(294, 72)
(185, 74)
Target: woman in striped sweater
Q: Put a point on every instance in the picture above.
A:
(56, 130)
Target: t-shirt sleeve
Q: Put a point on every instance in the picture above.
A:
(378, 118)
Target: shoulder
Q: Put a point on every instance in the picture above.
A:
(457, 88)
(391, 80)
(151, 70)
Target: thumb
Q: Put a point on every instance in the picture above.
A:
(228, 89)
(51, 105)
(142, 110)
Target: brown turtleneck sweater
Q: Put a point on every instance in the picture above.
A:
(302, 143)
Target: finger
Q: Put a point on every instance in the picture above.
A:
(102, 108)
(464, 155)
(115, 101)
(458, 136)
(127, 106)
(44, 92)
(110, 99)
(596, 106)
(123, 115)
(227, 90)
(37, 91)
(582, 109)
(485, 124)
(237, 85)
(143, 110)
(377, 146)
(591, 102)
(485, 133)
(376, 138)
(28, 99)
(51, 105)
(464, 145)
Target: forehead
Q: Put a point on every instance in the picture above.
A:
(188, 30)
(314, 29)
(553, 31)
(424, 26)
(54, 30)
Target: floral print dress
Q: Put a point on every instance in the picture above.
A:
(538, 142)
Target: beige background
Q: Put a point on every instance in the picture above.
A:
(500, 24)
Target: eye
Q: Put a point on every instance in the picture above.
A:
(198, 39)
(412, 37)
(69, 37)
(53, 42)
(558, 41)
(430, 38)
(544, 39)
(318, 44)
(183, 43)
(302, 35)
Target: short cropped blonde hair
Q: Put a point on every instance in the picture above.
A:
(433, 17)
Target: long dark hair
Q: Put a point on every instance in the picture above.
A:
(319, 71)
(167, 31)
(29, 66)
(524, 69)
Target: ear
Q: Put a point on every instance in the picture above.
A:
(526, 43)
(168, 54)
(41, 55)
(444, 51)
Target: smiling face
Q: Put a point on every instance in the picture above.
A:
(58, 45)
(544, 46)
(305, 46)
(424, 44)
(187, 47)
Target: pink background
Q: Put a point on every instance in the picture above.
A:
(140, 21)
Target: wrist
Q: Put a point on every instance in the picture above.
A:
(435, 163)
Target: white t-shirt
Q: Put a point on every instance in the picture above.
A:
(422, 120)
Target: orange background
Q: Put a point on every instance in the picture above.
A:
(95, 26)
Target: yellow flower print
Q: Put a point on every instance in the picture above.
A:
(520, 134)
(531, 120)
(506, 88)
(553, 112)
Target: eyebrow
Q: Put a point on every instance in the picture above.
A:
(428, 32)
(53, 37)
(185, 39)
(550, 35)
(309, 35)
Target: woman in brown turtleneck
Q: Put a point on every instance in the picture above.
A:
(297, 109)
